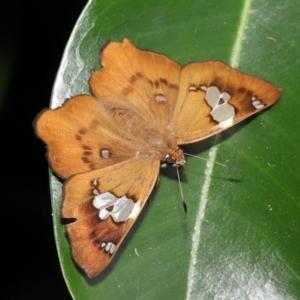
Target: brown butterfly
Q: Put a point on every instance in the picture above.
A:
(109, 146)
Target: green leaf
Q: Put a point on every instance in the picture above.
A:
(240, 239)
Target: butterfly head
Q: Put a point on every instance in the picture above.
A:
(176, 158)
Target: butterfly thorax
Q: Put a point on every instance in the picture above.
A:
(161, 144)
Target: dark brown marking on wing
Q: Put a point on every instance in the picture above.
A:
(78, 137)
(150, 82)
(97, 243)
(85, 160)
(93, 234)
(110, 208)
(94, 123)
(87, 152)
(174, 86)
(139, 75)
(82, 131)
(85, 147)
(163, 81)
(249, 94)
(93, 166)
(127, 90)
(217, 82)
(133, 79)
(241, 90)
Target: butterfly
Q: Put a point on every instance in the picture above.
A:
(108, 146)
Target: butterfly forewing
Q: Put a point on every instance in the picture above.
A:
(213, 96)
(140, 82)
(105, 204)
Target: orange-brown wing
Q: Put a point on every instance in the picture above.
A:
(213, 96)
(81, 136)
(143, 82)
(105, 204)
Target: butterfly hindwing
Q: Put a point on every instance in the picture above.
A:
(105, 204)
(213, 96)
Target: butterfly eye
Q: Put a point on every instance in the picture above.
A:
(170, 160)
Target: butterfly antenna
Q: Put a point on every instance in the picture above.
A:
(215, 162)
(181, 193)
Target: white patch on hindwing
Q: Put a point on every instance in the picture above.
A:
(222, 112)
(120, 209)
(109, 247)
(95, 183)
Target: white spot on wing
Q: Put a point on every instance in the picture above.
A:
(256, 103)
(136, 210)
(122, 207)
(259, 106)
(160, 98)
(95, 192)
(105, 153)
(225, 96)
(112, 248)
(95, 183)
(104, 214)
(212, 96)
(104, 200)
(222, 111)
(226, 123)
(109, 247)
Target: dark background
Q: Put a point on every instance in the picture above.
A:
(33, 35)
